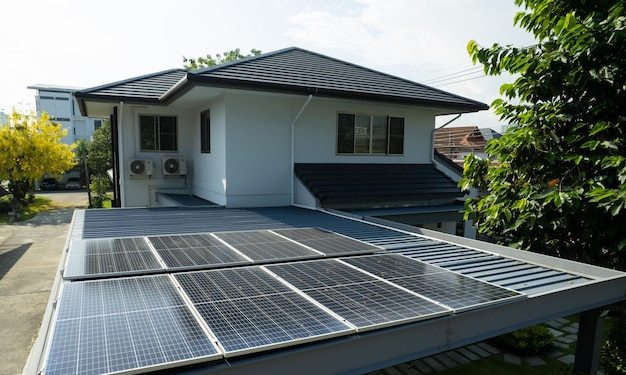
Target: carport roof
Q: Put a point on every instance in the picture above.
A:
(550, 287)
(292, 71)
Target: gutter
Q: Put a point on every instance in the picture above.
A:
(293, 149)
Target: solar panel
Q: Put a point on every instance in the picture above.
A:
(146, 326)
(107, 257)
(329, 243)
(457, 291)
(356, 296)
(195, 251)
(263, 245)
(249, 310)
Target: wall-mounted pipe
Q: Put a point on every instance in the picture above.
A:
(293, 149)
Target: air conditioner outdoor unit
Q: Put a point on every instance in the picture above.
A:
(140, 167)
(173, 166)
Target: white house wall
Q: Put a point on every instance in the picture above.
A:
(317, 126)
(250, 160)
(140, 191)
(209, 169)
(258, 151)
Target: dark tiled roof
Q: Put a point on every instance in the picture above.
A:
(292, 70)
(301, 71)
(376, 185)
(145, 89)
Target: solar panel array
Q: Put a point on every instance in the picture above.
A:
(457, 291)
(249, 310)
(255, 291)
(95, 258)
(361, 299)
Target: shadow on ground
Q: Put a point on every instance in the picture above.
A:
(8, 258)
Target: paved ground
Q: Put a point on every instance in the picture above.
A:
(29, 257)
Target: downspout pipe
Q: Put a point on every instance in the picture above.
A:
(293, 149)
(120, 159)
(432, 137)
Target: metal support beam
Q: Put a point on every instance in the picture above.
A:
(589, 342)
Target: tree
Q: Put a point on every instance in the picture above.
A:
(204, 62)
(30, 146)
(81, 151)
(559, 183)
(100, 157)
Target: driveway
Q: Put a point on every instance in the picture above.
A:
(66, 198)
(29, 260)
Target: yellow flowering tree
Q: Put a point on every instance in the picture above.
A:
(29, 147)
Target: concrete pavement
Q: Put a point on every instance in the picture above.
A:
(30, 252)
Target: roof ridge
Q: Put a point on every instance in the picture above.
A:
(241, 61)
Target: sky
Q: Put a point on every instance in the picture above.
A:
(89, 43)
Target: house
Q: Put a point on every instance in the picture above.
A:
(456, 143)
(295, 265)
(291, 127)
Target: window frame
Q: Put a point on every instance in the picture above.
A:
(348, 125)
(205, 131)
(158, 133)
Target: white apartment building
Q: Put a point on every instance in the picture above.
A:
(61, 106)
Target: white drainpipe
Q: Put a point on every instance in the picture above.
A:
(293, 148)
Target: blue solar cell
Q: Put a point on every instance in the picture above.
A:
(356, 296)
(249, 310)
(146, 324)
(446, 287)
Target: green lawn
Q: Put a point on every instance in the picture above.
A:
(38, 205)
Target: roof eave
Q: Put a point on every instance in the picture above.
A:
(447, 107)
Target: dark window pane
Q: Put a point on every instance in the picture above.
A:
(205, 132)
(167, 133)
(396, 136)
(345, 134)
(362, 134)
(379, 135)
(147, 133)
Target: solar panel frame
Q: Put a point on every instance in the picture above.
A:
(455, 290)
(248, 310)
(149, 327)
(100, 258)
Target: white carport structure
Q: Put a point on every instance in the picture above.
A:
(546, 288)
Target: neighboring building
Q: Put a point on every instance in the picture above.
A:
(4, 119)
(59, 103)
(291, 127)
(456, 143)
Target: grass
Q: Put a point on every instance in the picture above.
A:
(40, 204)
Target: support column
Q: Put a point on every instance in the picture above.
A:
(589, 341)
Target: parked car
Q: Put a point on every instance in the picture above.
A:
(73, 183)
(49, 184)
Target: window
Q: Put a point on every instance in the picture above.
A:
(97, 124)
(369, 134)
(205, 132)
(158, 133)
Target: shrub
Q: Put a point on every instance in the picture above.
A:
(614, 349)
(6, 203)
(98, 186)
(527, 341)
